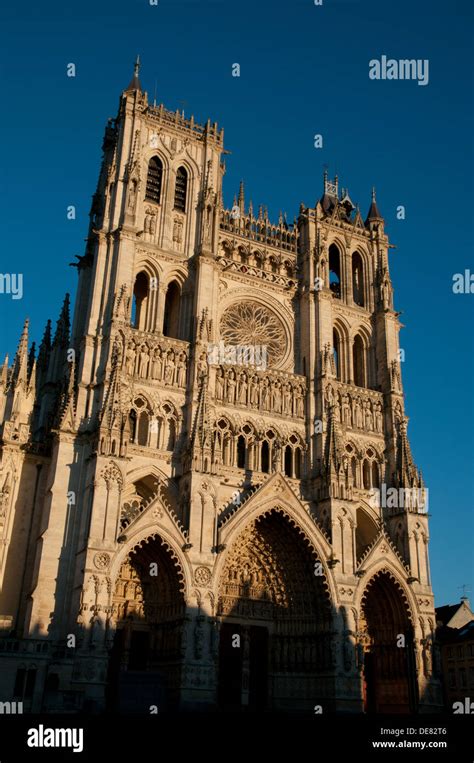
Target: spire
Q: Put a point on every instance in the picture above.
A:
(135, 82)
(201, 434)
(61, 336)
(31, 359)
(56, 367)
(45, 348)
(333, 449)
(407, 474)
(374, 214)
(66, 408)
(330, 195)
(20, 364)
(111, 413)
(241, 201)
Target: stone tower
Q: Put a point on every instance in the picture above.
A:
(207, 492)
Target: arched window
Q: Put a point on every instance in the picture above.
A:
(357, 279)
(241, 453)
(226, 449)
(335, 271)
(172, 309)
(140, 301)
(169, 445)
(336, 345)
(366, 474)
(181, 189)
(143, 423)
(358, 362)
(297, 463)
(265, 457)
(355, 481)
(154, 180)
(288, 461)
(375, 474)
(132, 421)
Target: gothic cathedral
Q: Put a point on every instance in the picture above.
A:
(192, 472)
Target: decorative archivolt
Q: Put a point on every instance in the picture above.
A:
(167, 545)
(364, 331)
(257, 567)
(405, 604)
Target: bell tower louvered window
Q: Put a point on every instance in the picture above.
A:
(154, 180)
(181, 189)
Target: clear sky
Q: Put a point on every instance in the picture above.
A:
(304, 71)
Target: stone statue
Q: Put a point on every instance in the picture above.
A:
(219, 384)
(231, 388)
(276, 456)
(253, 392)
(169, 368)
(378, 418)
(130, 358)
(265, 396)
(277, 397)
(144, 361)
(157, 364)
(369, 419)
(243, 389)
(181, 370)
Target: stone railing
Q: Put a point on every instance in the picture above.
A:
(231, 265)
(178, 121)
(273, 392)
(260, 229)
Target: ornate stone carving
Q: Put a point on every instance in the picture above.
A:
(202, 576)
(101, 560)
(111, 473)
(254, 324)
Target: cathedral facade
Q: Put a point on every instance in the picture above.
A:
(192, 472)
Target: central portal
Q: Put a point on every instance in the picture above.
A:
(275, 621)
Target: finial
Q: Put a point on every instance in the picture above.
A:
(373, 194)
(241, 196)
(465, 588)
(136, 68)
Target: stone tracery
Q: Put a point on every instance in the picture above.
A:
(253, 324)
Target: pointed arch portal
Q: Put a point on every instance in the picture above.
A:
(148, 606)
(389, 671)
(273, 601)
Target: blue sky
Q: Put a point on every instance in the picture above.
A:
(304, 71)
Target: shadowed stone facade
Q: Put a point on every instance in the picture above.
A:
(183, 526)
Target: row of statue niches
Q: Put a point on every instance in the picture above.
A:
(265, 393)
(356, 412)
(157, 363)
